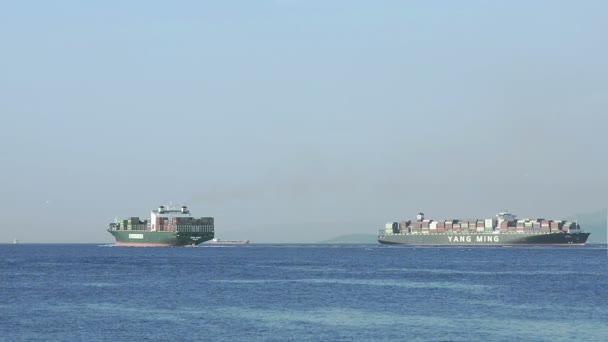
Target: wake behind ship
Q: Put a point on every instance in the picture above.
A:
(228, 242)
(503, 230)
(166, 227)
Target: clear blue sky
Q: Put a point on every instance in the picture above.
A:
(297, 120)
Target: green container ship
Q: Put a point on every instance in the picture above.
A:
(504, 230)
(166, 227)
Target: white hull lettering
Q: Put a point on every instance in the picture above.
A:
(136, 236)
(480, 238)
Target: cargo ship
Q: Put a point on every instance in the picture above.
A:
(228, 242)
(503, 230)
(166, 227)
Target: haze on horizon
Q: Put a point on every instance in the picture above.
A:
(298, 121)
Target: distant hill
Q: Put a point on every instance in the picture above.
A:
(352, 239)
(594, 223)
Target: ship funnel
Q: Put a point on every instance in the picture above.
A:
(161, 209)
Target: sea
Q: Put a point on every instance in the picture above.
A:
(305, 292)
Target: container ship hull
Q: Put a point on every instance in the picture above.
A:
(491, 239)
(158, 239)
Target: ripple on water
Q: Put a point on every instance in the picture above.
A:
(405, 325)
(489, 273)
(368, 282)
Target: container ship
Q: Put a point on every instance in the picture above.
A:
(228, 242)
(504, 230)
(166, 227)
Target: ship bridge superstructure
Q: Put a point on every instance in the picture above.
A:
(167, 214)
(504, 215)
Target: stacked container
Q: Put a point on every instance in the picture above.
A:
(449, 226)
(545, 226)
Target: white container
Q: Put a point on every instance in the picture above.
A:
(433, 225)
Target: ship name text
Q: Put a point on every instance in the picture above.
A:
(471, 239)
(136, 236)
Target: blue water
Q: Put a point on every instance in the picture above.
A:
(303, 292)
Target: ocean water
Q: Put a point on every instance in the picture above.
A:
(303, 293)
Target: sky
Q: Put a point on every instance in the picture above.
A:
(298, 121)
